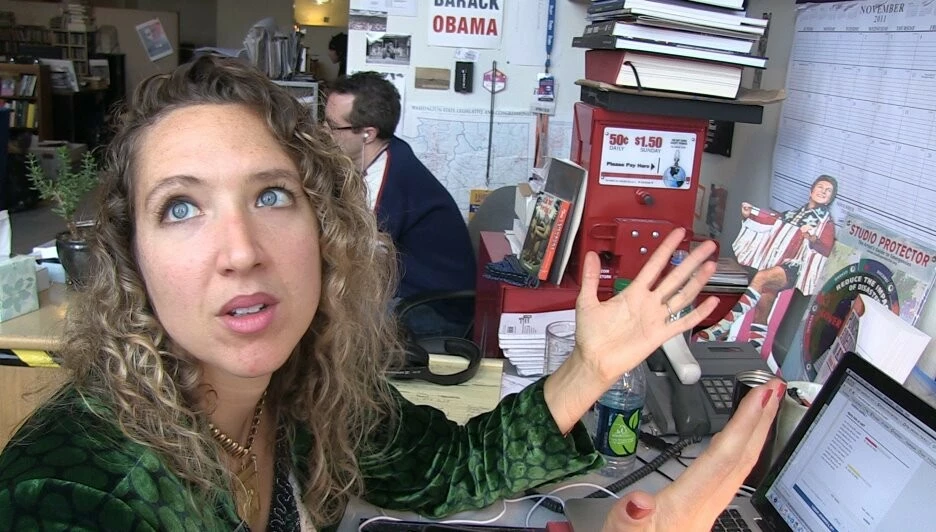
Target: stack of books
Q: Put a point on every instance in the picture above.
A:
(697, 47)
(729, 277)
(77, 17)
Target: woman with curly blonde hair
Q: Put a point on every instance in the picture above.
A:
(226, 360)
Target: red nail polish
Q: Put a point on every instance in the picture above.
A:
(766, 398)
(781, 390)
(636, 512)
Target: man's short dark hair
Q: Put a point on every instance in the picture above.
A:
(376, 102)
(339, 43)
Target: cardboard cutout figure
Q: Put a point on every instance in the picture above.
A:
(789, 250)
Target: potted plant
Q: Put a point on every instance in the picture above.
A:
(65, 190)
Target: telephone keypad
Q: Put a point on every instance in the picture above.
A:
(719, 389)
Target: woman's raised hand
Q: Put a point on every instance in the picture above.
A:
(701, 492)
(615, 335)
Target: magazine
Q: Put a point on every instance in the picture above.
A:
(867, 259)
(543, 235)
(566, 180)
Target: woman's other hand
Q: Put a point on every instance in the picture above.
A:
(746, 209)
(701, 492)
(616, 335)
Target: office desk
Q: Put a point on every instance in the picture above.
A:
(37, 331)
(29, 374)
(515, 514)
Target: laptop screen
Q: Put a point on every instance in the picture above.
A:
(865, 463)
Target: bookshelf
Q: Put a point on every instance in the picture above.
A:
(76, 46)
(20, 39)
(26, 91)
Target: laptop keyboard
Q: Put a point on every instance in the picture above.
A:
(730, 521)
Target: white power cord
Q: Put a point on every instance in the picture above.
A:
(549, 495)
(540, 498)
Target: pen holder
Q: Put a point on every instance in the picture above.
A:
(792, 411)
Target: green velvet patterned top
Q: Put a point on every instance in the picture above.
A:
(69, 469)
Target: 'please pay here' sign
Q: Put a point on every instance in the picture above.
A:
(465, 23)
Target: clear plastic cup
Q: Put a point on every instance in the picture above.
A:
(560, 341)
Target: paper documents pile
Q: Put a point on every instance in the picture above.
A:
(522, 337)
(880, 336)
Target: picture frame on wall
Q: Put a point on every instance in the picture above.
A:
(154, 39)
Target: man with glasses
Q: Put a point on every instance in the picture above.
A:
(412, 206)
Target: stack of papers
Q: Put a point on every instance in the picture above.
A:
(522, 337)
(729, 277)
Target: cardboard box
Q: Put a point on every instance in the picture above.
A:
(524, 202)
(18, 294)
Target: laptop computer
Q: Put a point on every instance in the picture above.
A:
(862, 458)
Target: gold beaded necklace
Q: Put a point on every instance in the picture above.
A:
(247, 488)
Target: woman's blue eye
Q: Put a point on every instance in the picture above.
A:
(179, 210)
(274, 197)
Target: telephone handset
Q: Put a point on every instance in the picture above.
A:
(702, 408)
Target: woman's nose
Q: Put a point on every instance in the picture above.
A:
(241, 246)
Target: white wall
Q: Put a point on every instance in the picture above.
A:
(746, 174)
(235, 17)
(138, 64)
(568, 62)
(312, 13)
(197, 18)
(316, 40)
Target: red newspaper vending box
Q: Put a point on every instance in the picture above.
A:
(643, 173)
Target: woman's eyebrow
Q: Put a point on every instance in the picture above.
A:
(275, 174)
(168, 183)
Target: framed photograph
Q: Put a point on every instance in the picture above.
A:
(365, 21)
(62, 74)
(100, 69)
(154, 39)
(433, 78)
(386, 49)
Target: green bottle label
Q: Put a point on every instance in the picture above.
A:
(617, 431)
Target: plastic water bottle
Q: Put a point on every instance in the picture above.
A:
(617, 422)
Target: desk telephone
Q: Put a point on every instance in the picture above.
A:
(702, 408)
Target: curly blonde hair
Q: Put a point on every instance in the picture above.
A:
(331, 386)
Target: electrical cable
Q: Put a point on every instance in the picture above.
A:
(680, 460)
(552, 498)
(645, 470)
(473, 522)
(658, 471)
(375, 519)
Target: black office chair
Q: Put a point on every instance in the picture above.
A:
(496, 213)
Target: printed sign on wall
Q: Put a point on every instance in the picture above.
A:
(647, 158)
(465, 23)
